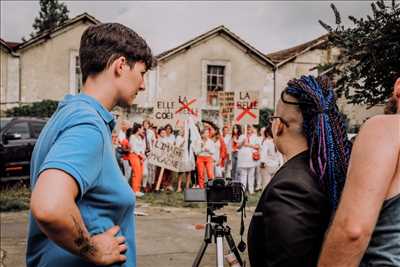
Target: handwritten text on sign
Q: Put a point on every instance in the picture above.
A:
(172, 109)
(166, 155)
(247, 107)
(226, 106)
(164, 111)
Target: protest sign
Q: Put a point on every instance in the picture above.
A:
(226, 106)
(247, 107)
(166, 155)
(173, 109)
(187, 106)
(164, 111)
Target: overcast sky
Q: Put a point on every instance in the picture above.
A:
(267, 25)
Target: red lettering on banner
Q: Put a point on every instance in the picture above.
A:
(185, 106)
(247, 110)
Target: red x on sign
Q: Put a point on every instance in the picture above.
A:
(247, 110)
(185, 106)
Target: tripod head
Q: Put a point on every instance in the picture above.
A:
(217, 219)
(212, 207)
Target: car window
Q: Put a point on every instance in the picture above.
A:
(21, 128)
(4, 122)
(36, 128)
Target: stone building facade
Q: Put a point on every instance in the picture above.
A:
(47, 67)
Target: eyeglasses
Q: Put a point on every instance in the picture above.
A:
(272, 118)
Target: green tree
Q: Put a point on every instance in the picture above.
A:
(265, 113)
(52, 14)
(370, 51)
(44, 108)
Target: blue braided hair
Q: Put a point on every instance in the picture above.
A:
(325, 131)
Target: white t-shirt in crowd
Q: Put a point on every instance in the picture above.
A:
(137, 144)
(228, 143)
(121, 135)
(206, 148)
(245, 154)
(187, 163)
(169, 139)
(216, 155)
(150, 138)
(270, 155)
(179, 140)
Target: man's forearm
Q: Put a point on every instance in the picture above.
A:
(66, 229)
(342, 249)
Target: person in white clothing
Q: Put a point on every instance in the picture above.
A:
(217, 155)
(137, 157)
(258, 178)
(248, 144)
(271, 159)
(170, 139)
(228, 143)
(122, 131)
(123, 157)
(204, 149)
(236, 133)
(180, 141)
(148, 169)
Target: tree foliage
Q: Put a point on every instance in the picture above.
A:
(52, 14)
(44, 108)
(368, 64)
(265, 113)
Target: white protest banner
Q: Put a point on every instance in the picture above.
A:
(191, 136)
(247, 107)
(226, 106)
(164, 111)
(166, 155)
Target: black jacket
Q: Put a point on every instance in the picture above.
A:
(290, 220)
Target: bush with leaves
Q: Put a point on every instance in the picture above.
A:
(265, 113)
(42, 109)
(369, 62)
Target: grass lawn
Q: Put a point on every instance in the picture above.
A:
(16, 197)
(174, 199)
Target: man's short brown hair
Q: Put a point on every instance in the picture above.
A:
(102, 44)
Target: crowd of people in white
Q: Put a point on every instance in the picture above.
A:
(243, 154)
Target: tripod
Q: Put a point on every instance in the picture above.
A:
(216, 227)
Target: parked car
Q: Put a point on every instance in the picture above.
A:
(18, 137)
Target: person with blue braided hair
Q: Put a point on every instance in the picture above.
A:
(294, 211)
(366, 229)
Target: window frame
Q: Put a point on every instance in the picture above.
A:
(73, 64)
(217, 75)
(227, 78)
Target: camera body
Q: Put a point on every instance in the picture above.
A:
(217, 191)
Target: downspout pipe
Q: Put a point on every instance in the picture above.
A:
(275, 75)
(18, 55)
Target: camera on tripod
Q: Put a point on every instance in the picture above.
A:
(217, 191)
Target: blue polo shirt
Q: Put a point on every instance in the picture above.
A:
(77, 140)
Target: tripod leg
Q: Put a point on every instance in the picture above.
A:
(232, 246)
(200, 254)
(220, 251)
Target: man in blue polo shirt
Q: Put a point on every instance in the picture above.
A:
(81, 205)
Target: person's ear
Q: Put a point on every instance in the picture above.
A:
(279, 127)
(396, 91)
(118, 66)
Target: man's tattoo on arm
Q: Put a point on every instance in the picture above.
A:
(82, 241)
